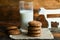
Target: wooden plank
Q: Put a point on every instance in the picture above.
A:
(47, 4)
(57, 35)
(53, 15)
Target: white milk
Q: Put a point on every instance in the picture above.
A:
(26, 16)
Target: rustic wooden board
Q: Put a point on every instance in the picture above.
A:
(48, 4)
(9, 2)
(9, 12)
(53, 15)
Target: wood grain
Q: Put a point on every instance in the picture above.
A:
(48, 4)
(53, 15)
(57, 35)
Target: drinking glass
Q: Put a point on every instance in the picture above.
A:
(26, 12)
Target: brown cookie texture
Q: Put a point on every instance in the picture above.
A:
(35, 23)
(34, 31)
(11, 27)
(14, 32)
(34, 35)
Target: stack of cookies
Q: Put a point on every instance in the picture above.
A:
(13, 30)
(34, 28)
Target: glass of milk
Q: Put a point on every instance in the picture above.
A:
(26, 12)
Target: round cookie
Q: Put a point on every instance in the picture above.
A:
(35, 23)
(34, 28)
(34, 32)
(34, 35)
(12, 27)
(14, 32)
